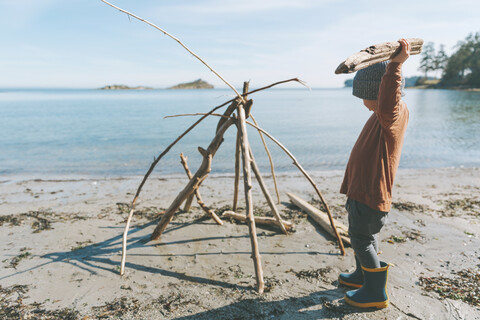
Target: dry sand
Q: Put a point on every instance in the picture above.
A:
(61, 246)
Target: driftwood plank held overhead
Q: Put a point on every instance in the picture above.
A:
(375, 54)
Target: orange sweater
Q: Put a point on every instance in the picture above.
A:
(374, 159)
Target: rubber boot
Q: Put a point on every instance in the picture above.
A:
(354, 279)
(373, 293)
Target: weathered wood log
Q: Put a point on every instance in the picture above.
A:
(200, 202)
(259, 220)
(196, 180)
(375, 54)
(266, 194)
(247, 180)
(320, 217)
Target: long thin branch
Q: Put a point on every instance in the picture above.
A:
(196, 114)
(179, 42)
(295, 162)
(272, 168)
(277, 83)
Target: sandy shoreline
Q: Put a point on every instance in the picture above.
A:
(65, 246)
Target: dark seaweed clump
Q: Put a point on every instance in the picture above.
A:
(465, 286)
(13, 307)
(309, 275)
(39, 220)
(147, 213)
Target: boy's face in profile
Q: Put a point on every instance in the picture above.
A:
(370, 104)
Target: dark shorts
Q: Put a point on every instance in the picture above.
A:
(363, 220)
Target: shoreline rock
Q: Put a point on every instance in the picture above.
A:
(124, 87)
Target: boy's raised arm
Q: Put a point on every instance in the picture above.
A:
(390, 88)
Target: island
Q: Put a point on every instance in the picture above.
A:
(124, 87)
(197, 84)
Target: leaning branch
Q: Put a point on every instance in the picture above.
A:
(179, 42)
(272, 168)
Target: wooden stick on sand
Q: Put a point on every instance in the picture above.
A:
(320, 217)
(247, 181)
(259, 220)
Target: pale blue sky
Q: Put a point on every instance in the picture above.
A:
(86, 44)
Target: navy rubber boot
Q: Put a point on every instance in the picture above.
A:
(354, 279)
(373, 293)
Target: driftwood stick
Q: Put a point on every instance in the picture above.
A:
(196, 114)
(200, 202)
(320, 217)
(303, 83)
(259, 220)
(179, 42)
(188, 203)
(295, 162)
(236, 181)
(125, 236)
(375, 54)
(247, 180)
(272, 168)
(266, 194)
(196, 180)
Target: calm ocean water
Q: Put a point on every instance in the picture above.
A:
(117, 133)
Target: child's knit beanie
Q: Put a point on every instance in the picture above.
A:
(366, 82)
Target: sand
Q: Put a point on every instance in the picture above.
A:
(60, 256)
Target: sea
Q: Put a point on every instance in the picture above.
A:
(110, 133)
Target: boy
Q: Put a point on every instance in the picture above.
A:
(370, 173)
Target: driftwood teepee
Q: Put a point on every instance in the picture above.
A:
(236, 114)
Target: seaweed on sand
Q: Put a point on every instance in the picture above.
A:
(40, 219)
(309, 275)
(147, 213)
(12, 306)
(16, 260)
(468, 206)
(465, 286)
(409, 206)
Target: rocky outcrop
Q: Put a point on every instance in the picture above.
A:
(197, 84)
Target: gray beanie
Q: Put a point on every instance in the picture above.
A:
(366, 82)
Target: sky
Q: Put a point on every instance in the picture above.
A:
(87, 44)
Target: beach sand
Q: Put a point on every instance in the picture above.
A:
(61, 250)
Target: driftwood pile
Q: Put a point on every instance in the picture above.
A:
(237, 113)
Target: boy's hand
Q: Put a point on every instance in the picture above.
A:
(404, 53)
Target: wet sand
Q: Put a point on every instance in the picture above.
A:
(61, 249)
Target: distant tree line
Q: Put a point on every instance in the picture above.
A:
(461, 69)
